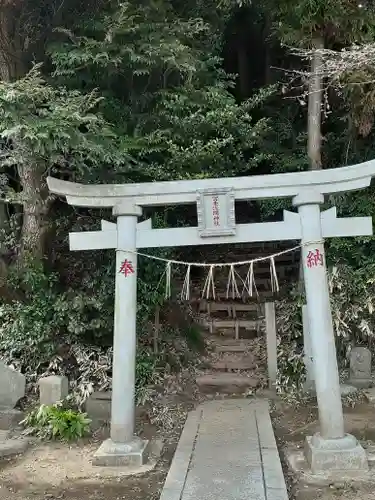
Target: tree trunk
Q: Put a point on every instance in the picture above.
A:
(11, 45)
(314, 118)
(314, 134)
(35, 209)
(13, 65)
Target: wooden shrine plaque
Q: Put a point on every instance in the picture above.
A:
(216, 212)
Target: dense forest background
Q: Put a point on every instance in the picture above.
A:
(102, 91)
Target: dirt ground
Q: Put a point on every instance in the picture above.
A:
(55, 471)
(59, 471)
(291, 425)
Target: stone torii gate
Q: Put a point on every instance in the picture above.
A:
(331, 448)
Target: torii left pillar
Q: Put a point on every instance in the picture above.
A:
(124, 447)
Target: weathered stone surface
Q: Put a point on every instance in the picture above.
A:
(228, 341)
(238, 347)
(347, 390)
(53, 389)
(112, 454)
(360, 367)
(227, 450)
(370, 395)
(232, 364)
(10, 447)
(9, 417)
(98, 407)
(226, 382)
(12, 386)
(4, 434)
(344, 454)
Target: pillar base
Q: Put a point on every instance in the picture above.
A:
(335, 455)
(111, 454)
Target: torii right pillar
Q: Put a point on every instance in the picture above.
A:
(331, 449)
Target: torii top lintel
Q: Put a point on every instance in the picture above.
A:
(334, 180)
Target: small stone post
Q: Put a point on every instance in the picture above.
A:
(360, 367)
(271, 334)
(331, 449)
(123, 447)
(53, 389)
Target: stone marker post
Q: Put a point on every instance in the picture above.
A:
(12, 389)
(53, 389)
(330, 449)
(271, 335)
(360, 367)
(123, 447)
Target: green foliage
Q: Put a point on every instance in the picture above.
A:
(164, 90)
(69, 332)
(44, 318)
(291, 368)
(338, 21)
(30, 326)
(353, 306)
(145, 371)
(56, 422)
(138, 93)
(194, 338)
(336, 24)
(148, 40)
(55, 128)
(203, 133)
(353, 314)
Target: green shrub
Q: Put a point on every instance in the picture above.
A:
(353, 314)
(194, 337)
(56, 422)
(51, 331)
(146, 372)
(44, 318)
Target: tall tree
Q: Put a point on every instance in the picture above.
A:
(317, 24)
(49, 129)
(160, 71)
(25, 28)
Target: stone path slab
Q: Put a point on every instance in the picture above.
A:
(227, 451)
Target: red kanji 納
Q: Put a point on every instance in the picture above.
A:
(126, 268)
(314, 258)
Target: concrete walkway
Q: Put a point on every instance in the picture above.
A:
(227, 451)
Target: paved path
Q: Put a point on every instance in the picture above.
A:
(227, 451)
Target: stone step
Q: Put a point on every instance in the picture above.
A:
(240, 346)
(263, 296)
(248, 324)
(4, 435)
(228, 383)
(231, 324)
(230, 306)
(228, 341)
(233, 363)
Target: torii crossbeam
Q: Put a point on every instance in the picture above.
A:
(215, 198)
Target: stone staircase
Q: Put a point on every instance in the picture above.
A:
(231, 318)
(237, 353)
(231, 368)
(235, 327)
